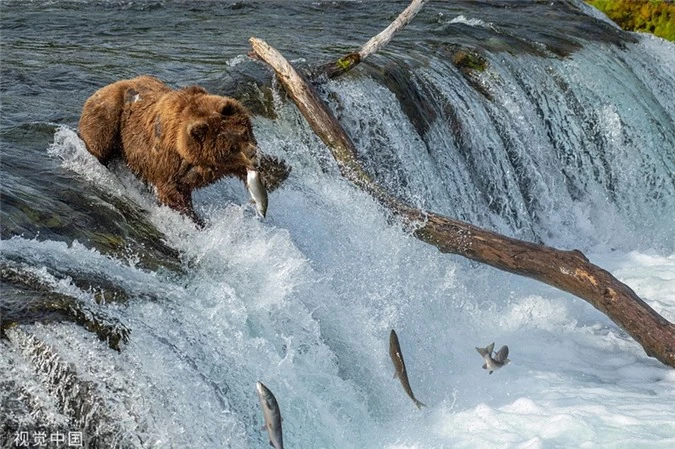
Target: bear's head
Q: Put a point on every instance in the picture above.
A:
(217, 132)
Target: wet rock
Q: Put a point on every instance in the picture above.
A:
(467, 61)
(28, 299)
(111, 225)
(58, 399)
(250, 84)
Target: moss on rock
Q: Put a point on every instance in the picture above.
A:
(467, 60)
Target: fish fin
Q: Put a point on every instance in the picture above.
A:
(490, 348)
(481, 351)
(503, 354)
(484, 365)
(271, 444)
(420, 404)
(491, 372)
(395, 375)
(507, 361)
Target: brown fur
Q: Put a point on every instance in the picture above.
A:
(177, 140)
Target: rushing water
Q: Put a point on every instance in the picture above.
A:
(137, 330)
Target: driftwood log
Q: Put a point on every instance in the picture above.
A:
(569, 271)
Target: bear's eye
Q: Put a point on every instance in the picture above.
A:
(198, 130)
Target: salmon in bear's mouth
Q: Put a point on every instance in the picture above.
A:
(257, 191)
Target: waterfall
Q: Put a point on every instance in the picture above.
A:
(153, 334)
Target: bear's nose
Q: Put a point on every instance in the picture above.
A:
(251, 153)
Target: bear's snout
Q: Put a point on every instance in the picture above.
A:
(246, 157)
(251, 156)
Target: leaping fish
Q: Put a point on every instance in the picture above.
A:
(257, 191)
(272, 415)
(494, 363)
(399, 365)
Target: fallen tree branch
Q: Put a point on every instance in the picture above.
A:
(569, 271)
(348, 62)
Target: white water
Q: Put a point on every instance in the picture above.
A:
(305, 300)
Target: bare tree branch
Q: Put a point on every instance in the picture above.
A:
(348, 62)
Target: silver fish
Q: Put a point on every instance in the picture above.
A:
(272, 415)
(494, 363)
(399, 365)
(257, 190)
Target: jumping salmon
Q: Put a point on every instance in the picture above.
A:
(494, 363)
(272, 415)
(399, 365)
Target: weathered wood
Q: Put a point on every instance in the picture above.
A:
(569, 271)
(348, 62)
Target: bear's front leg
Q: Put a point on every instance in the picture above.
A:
(179, 199)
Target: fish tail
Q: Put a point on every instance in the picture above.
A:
(420, 404)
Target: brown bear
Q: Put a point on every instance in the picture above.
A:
(176, 140)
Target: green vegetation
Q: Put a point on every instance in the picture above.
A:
(651, 16)
(344, 63)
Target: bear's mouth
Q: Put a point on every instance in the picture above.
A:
(248, 158)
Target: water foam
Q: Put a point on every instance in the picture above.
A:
(304, 302)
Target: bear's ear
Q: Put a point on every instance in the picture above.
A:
(195, 90)
(198, 130)
(228, 109)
